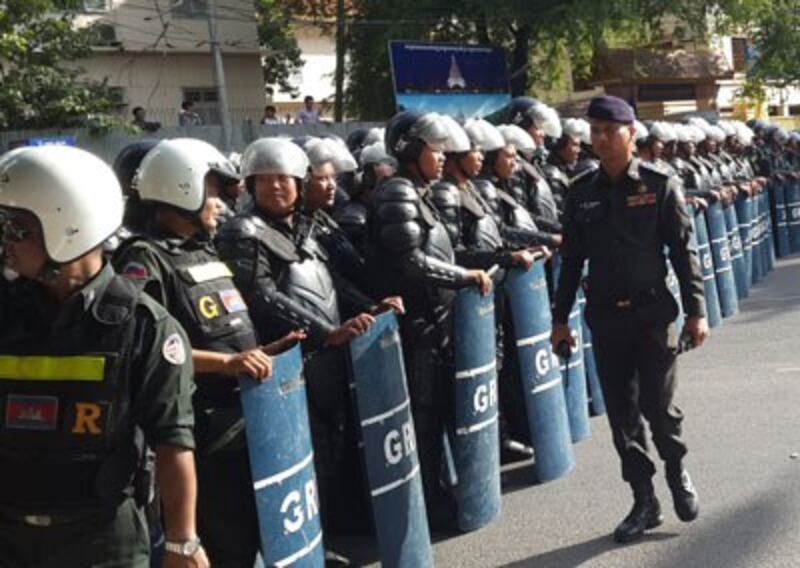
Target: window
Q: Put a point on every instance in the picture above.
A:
(190, 8)
(96, 5)
(205, 103)
(117, 96)
(104, 35)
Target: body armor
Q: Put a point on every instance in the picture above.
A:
(67, 442)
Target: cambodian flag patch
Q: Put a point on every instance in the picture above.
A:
(135, 270)
(25, 412)
(232, 301)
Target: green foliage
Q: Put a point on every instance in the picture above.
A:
(37, 89)
(776, 37)
(281, 56)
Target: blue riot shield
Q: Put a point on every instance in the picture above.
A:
(573, 372)
(793, 214)
(282, 464)
(700, 234)
(759, 269)
(541, 379)
(476, 439)
(389, 445)
(737, 258)
(744, 214)
(597, 404)
(720, 250)
(777, 190)
(770, 238)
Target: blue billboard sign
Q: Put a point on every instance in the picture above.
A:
(464, 81)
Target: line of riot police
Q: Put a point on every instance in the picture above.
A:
(368, 321)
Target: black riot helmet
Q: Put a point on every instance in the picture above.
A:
(128, 160)
(125, 166)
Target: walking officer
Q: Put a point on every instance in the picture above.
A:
(91, 371)
(620, 217)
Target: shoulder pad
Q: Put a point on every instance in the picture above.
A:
(445, 194)
(248, 226)
(486, 188)
(396, 189)
(351, 213)
(242, 226)
(117, 301)
(587, 164)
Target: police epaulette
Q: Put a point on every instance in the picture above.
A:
(117, 300)
(650, 167)
(583, 177)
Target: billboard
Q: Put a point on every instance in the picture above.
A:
(464, 81)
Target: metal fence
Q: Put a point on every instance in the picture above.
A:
(108, 145)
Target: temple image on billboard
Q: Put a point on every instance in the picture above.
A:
(455, 80)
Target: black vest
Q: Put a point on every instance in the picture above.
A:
(67, 441)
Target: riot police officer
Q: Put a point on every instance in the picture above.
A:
(329, 160)
(376, 165)
(620, 217)
(410, 254)
(181, 180)
(283, 272)
(92, 370)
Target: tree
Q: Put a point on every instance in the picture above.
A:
(775, 36)
(544, 39)
(38, 86)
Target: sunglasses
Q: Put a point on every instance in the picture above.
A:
(11, 232)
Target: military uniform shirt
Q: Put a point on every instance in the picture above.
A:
(621, 228)
(161, 373)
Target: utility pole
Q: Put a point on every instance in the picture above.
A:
(339, 103)
(219, 76)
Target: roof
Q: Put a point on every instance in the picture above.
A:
(624, 65)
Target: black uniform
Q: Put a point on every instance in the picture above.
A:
(83, 388)
(410, 254)
(187, 278)
(622, 228)
(284, 275)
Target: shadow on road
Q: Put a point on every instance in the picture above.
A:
(737, 538)
(577, 554)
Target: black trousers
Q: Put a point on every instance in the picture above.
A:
(227, 521)
(114, 539)
(635, 351)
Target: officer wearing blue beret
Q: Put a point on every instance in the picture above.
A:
(621, 217)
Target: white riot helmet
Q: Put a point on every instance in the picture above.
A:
(484, 135)
(641, 132)
(515, 136)
(664, 132)
(174, 173)
(573, 128)
(457, 141)
(278, 156)
(75, 196)
(376, 153)
(326, 150)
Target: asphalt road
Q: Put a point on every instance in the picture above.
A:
(741, 397)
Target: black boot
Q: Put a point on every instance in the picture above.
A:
(646, 514)
(684, 495)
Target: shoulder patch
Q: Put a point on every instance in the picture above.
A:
(173, 350)
(135, 270)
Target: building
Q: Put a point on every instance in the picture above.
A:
(155, 54)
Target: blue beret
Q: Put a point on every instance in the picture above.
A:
(611, 108)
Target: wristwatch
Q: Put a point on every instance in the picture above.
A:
(187, 548)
